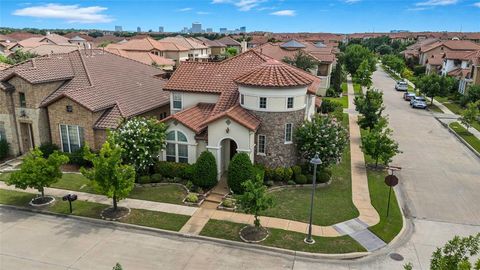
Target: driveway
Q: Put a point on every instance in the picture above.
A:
(440, 177)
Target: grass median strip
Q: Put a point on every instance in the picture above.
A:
(284, 239)
(154, 219)
(466, 135)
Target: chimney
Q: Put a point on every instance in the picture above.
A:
(244, 46)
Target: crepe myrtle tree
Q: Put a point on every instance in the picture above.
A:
(323, 136)
(38, 172)
(142, 140)
(109, 175)
(379, 144)
(255, 198)
(371, 107)
(470, 115)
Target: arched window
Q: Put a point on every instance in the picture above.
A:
(177, 147)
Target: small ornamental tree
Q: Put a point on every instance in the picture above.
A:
(205, 172)
(109, 175)
(232, 51)
(379, 145)
(240, 170)
(38, 172)
(434, 85)
(456, 254)
(301, 60)
(255, 198)
(370, 106)
(363, 76)
(323, 136)
(142, 139)
(470, 115)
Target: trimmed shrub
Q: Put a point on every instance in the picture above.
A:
(269, 183)
(323, 175)
(291, 182)
(278, 174)
(240, 170)
(48, 149)
(230, 203)
(269, 174)
(173, 169)
(297, 171)
(287, 174)
(205, 173)
(4, 147)
(78, 157)
(156, 178)
(144, 179)
(191, 198)
(259, 171)
(329, 106)
(301, 179)
(189, 185)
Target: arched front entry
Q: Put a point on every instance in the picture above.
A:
(228, 148)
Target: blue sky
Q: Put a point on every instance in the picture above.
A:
(341, 16)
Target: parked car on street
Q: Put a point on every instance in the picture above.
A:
(401, 86)
(419, 102)
(407, 96)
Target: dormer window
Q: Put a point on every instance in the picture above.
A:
(263, 103)
(177, 101)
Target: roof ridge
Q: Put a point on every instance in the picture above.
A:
(85, 67)
(130, 58)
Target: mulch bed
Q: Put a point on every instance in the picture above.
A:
(70, 168)
(253, 234)
(42, 200)
(111, 214)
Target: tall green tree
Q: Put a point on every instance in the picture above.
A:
(109, 175)
(470, 115)
(371, 107)
(337, 79)
(363, 75)
(394, 62)
(17, 57)
(142, 139)
(302, 61)
(255, 198)
(38, 172)
(379, 144)
(355, 55)
(384, 49)
(433, 85)
(323, 136)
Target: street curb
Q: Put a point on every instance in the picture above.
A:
(246, 246)
(459, 137)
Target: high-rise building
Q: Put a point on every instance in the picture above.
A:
(223, 30)
(243, 29)
(118, 28)
(160, 29)
(139, 29)
(209, 30)
(196, 27)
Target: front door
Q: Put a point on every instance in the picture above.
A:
(27, 137)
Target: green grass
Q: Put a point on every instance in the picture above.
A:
(357, 89)
(154, 219)
(77, 182)
(466, 135)
(456, 108)
(333, 204)
(433, 108)
(344, 88)
(284, 239)
(342, 100)
(390, 226)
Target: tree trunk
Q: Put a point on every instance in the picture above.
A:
(256, 221)
(114, 203)
(376, 162)
(431, 101)
(42, 191)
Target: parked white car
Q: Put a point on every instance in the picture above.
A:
(401, 86)
(418, 102)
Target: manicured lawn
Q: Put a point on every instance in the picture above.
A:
(433, 108)
(333, 204)
(160, 220)
(357, 88)
(342, 100)
(466, 135)
(284, 239)
(77, 182)
(456, 108)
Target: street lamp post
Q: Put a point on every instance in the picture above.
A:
(315, 161)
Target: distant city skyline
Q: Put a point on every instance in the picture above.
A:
(337, 16)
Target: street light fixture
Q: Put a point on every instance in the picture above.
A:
(315, 161)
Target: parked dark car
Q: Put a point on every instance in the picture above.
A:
(407, 96)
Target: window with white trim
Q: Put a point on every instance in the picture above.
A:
(177, 147)
(288, 132)
(289, 102)
(71, 138)
(177, 101)
(262, 143)
(263, 103)
(242, 99)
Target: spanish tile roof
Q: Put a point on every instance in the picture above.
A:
(148, 44)
(459, 72)
(97, 80)
(292, 44)
(55, 39)
(275, 51)
(274, 73)
(228, 41)
(4, 66)
(240, 115)
(211, 43)
(143, 57)
(77, 38)
(455, 45)
(194, 117)
(46, 49)
(435, 60)
(29, 42)
(110, 119)
(189, 43)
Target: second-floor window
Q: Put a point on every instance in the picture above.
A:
(263, 103)
(289, 102)
(242, 99)
(177, 101)
(21, 97)
(262, 143)
(288, 133)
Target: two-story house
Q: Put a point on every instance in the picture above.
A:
(249, 103)
(196, 50)
(441, 47)
(72, 99)
(472, 77)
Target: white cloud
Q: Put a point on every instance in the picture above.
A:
(418, 8)
(351, 1)
(286, 12)
(477, 4)
(242, 5)
(203, 13)
(185, 9)
(437, 3)
(70, 13)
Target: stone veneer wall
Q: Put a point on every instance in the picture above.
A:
(278, 154)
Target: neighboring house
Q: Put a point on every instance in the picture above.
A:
(146, 58)
(27, 44)
(77, 40)
(433, 65)
(413, 51)
(473, 76)
(217, 49)
(318, 51)
(72, 99)
(231, 43)
(455, 63)
(46, 49)
(439, 47)
(55, 39)
(196, 49)
(165, 49)
(249, 103)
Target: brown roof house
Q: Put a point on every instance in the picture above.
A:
(72, 99)
(439, 47)
(472, 77)
(323, 54)
(196, 49)
(248, 103)
(217, 49)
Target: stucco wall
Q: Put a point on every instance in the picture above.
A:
(192, 99)
(276, 98)
(192, 143)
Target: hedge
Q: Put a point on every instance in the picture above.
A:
(205, 172)
(240, 170)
